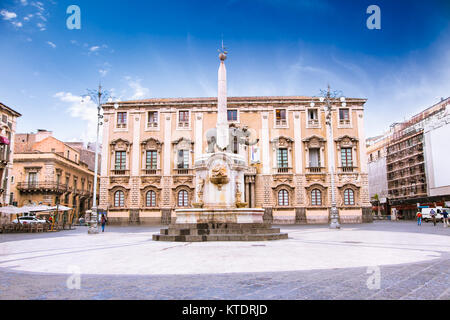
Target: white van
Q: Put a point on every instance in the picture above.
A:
(426, 216)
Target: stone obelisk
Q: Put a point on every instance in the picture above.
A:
(222, 120)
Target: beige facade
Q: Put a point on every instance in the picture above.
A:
(48, 171)
(150, 147)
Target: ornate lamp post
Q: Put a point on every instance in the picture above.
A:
(327, 97)
(99, 97)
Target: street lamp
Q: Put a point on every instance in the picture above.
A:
(327, 97)
(99, 97)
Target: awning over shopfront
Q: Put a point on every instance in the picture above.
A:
(4, 140)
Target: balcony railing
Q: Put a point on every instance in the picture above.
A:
(42, 186)
(283, 170)
(347, 169)
(182, 171)
(282, 122)
(183, 124)
(344, 122)
(152, 124)
(119, 172)
(314, 170)
(151, 172)
(313, 122)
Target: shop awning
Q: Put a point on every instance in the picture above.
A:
(4, 140)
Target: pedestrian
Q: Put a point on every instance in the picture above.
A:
(445, 214)
(104, 220)
(433, 216)
(419, 218)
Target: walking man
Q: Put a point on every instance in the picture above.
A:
(445, 214)
(103, 222)
(433, 216)
(419, 218)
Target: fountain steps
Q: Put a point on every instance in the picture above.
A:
(219, 232)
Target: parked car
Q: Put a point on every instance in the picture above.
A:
(426, 216)
(29, 220)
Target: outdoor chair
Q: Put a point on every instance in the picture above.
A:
(39, 227)
(17, 227)
(26, 227)
(9, 227)
(34, 227)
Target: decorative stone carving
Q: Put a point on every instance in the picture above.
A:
(239, 204)
(200, 202)
(219, 176)
(152, 144)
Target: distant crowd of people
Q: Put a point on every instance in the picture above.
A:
(433, 217)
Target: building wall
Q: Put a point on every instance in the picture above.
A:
(60, 174)
(263, 180)
(437, 155)
(8, 123)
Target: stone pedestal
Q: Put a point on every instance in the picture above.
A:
(244, 215)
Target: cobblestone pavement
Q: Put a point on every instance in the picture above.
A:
(429, 280)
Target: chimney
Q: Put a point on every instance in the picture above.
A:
(42, 134)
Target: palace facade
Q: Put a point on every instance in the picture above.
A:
(150, 148)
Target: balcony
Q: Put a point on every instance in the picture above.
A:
(151, 172)
(344, 122)
(183, 172)
(281, 123)
(347, 169)
(183, 124)
(119, 172)
(313, 123)
(42, 187)
(284, 170)
(314, 170)
(152, 125)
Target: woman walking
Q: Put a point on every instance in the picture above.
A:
(103, 222)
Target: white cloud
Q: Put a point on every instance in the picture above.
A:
(17, 24)
(139, 92)
(84, 109)
(8, 15)
(94, 48)
(51, 44)
(41, 26)
(24, 2)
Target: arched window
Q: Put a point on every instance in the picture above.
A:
(283, 197)
(316, 197)
(183, 198)
(349, 197)
(119, 199)
(150, 199)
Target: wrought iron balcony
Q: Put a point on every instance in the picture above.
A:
(42, 187)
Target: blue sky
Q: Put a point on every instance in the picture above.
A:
(169, 48)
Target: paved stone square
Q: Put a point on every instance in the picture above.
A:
(314, 263)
